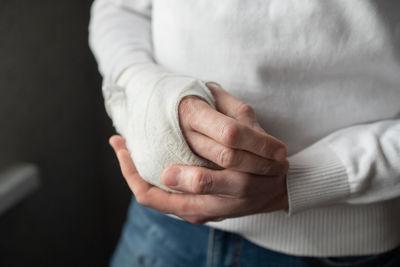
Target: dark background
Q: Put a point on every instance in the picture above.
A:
(51, 114)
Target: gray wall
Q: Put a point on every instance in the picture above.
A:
(51, 114)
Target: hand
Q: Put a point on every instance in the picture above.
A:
(212, 195)
(229, 136)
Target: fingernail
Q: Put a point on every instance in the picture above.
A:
(172, 177)
(280, 154)
(213, 85)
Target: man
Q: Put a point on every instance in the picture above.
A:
(322, 77)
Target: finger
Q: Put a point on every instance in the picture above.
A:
(191, 207)
(186, 110)
(229, 158)
(199, 180)
(195, 219)
(234, 134)
(123, 156)
(194, 208)
(132, 177)
(201, 208)
(128, 169)
(117, 142)
(233, 107)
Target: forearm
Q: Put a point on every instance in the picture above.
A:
(141, 97)
(120, 35)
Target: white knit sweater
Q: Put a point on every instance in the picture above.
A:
(322, 75)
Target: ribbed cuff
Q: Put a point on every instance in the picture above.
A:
(316, 178)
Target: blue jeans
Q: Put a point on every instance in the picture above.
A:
(150, 238)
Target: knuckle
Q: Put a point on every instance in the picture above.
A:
(184, 207)
(245, 110)
(226, 157)
(229, 134)
(185, 107)
(201, 183)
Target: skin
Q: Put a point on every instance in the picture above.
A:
(252, 178)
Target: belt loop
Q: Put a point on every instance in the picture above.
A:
(210, 250)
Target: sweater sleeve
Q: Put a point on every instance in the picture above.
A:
(356, 165)
(141, 97)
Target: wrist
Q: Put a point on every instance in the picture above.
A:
(281, 201)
